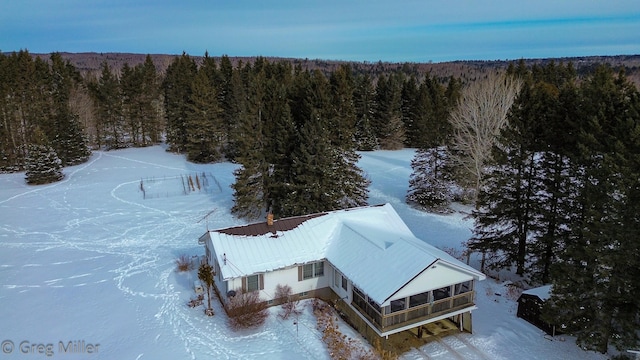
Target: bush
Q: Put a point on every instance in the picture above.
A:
(513, 292)
(184, 263)
(339, 345)
(290, 304)
(246, 310)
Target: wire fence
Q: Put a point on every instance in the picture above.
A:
(181, 185)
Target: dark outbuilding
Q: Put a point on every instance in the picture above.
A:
(530, 307)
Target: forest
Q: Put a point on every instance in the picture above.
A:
(546, 154)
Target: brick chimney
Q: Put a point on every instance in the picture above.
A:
(270, 219)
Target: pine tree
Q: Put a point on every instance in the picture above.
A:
(342, 118)
(310, 189)
(239, 109)
(430, 184)
(364, 97)
(203, 120)
(250, 193)
(503, 219)
(414, 112)
(279, 134)
(354, 186)
(148, 102)
(106, 94)
(42, 164)
(177, 94)
(68, 138)
(387, 117)
(595, 282)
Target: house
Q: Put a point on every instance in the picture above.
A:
(530, 305)
(366, 259)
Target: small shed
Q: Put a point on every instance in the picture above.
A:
(530, 307)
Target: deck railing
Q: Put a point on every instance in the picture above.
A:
(385, 322)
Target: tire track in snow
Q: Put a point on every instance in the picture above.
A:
(66, 179)
(473, 347)
(133, 247)
(144, 162)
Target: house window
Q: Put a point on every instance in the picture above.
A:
(339, 280)
(252, 283)
(307, 271)
(312, 270)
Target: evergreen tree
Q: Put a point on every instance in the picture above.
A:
(239, 107)
(364, 102)
(342, 119)
(42, 164)
(430, 184)
(388, 123)
(595, 282)
(177, 95)
(503, 219)
(311, 187)
(148, 102)
(279, 135)
(250, 194)
(413, 113)
(68, 139)
(109, 122)
(203, 123)
(130, 88)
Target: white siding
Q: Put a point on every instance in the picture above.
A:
(288, 276)
(436, 276)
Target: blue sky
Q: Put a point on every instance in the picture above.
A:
(357, 30)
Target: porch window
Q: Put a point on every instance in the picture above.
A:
(462, 288)
(398, 305)
(374, 305)
(441, 293)
(419, 299)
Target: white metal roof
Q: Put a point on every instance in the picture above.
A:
(371, 245)
(543, 292)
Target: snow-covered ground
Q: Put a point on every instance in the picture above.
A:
(87, 267)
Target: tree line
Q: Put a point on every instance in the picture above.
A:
(560, 200)
(556, 187)
(294, 131)
(36, 114)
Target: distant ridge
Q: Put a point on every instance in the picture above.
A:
(90, 62)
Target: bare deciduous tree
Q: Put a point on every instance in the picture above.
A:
(477, 120)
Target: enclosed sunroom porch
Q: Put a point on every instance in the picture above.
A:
(415, 310)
